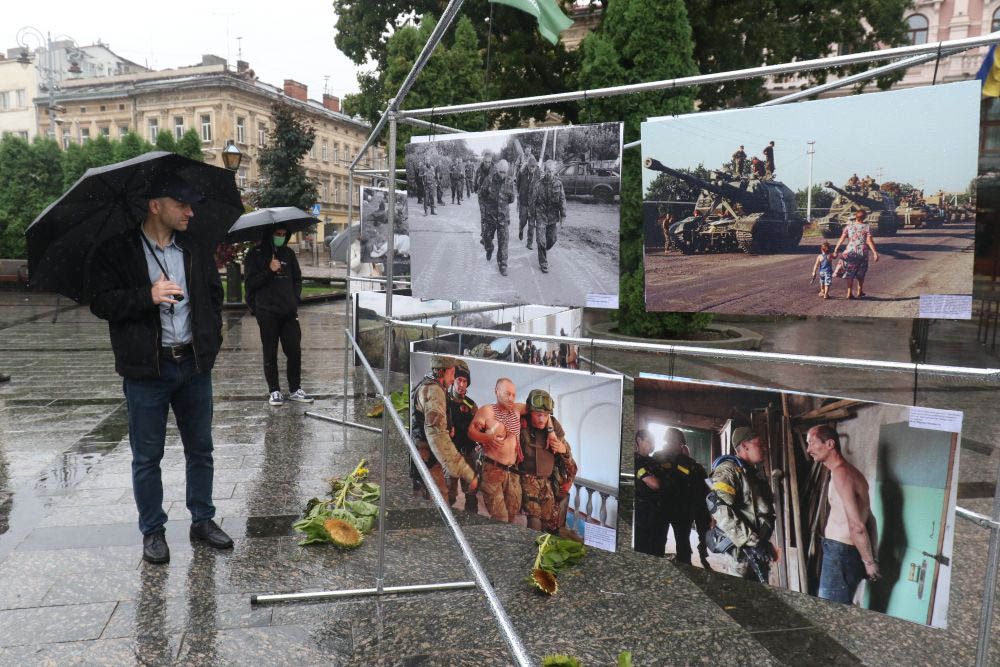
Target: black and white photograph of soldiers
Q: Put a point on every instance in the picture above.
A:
(518, 216)
(821, 208)
(566, 323)
(850, 501)
(375, 232)
(535, 447)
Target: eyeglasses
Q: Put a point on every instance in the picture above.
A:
(541, 402)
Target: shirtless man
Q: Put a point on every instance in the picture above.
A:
(848, 552)
(497, 427)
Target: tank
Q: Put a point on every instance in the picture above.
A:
(879, 207)
(735, 214)
(919, 215)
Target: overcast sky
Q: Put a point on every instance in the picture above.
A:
(928, 137)
(291, 39)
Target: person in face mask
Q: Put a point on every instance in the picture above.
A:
(274, 290)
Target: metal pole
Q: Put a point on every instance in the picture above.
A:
(416, 122)
(952, 46)
(990, 584)
(349, 301)
(986, 374)
(388, 590)
(327, 418)
(811, 151)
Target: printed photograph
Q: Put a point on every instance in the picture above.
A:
(375, 232)
(517, 216)
(851, 206)
(850, 501)
(536, 447)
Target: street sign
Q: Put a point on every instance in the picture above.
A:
(315, 209)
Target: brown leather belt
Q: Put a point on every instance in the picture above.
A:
(493, 463)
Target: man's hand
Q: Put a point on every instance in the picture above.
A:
(164, 290)
(275, 265)
(555, 444)
(474, 484)
(871, 569)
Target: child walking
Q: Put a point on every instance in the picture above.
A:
(823, 265)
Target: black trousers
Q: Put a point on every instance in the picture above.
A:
(650, 536)
(284, 328)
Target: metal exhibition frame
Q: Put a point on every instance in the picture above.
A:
(910, 55)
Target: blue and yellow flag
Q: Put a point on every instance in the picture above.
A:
(989, 74)
(551, 20)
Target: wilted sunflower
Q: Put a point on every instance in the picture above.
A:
(545, 581)
(342, 533)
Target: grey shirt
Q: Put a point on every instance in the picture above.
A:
(175, 326)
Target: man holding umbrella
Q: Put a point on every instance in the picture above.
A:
(159, 290)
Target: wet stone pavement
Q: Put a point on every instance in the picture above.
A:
(74, 590)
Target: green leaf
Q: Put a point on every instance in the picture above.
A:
(361, 508)
(625, 659)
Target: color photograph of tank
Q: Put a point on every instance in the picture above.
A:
(849, 206)
(518, 216)
(525, 445)
(850, 501)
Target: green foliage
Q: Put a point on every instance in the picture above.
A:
(560, 660)
(99, 152)
(165, 142)
(75, 162)
(190, 146)
(821, 197)
(625, 659)
(130, 146)
(283, 178)
(30, 180)
(617, 53)
(737, 34)
(521, 61)
(352, 499)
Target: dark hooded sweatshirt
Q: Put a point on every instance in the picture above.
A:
(269, 293)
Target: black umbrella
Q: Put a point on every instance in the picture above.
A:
(249, 226)
(340, 245)
(109, 200)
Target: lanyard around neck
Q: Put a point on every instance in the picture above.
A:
(145, 239)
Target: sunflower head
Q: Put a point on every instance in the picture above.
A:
(342, 533)
(544, 581)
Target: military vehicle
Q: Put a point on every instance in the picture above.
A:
(919, 214)
(744, 214)
(879, 207)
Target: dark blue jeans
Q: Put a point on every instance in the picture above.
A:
(841, 572)
(189, 394)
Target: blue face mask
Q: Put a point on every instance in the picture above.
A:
(278, 241)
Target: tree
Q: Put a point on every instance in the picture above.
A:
(165, 142)
(821, 198)
(617, 53)
(190, 146)
(130, 146)
(283, 178)
(99, 152)
(30, 180)
(74, 163)
(521, 63)
(738, 34)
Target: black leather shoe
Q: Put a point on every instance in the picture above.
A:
(154, 548)
(209, 531)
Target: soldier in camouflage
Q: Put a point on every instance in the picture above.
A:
(431, 428)
(741, 503)
(498, 191)
(483, 176)
(549, 202)
(470, 176)
(428, 178)
(526, 179)
(548, 468)
(456, 177)
(461, 409)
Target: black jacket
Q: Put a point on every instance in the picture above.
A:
(270, 293)
(121, 293)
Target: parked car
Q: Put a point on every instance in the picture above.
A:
(599, 179)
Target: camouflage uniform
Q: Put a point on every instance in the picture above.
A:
(482, 177)
(461, 410)
(526, 180)
(498, 191)
(541, 473)
(431, 432)
(744, 511)
(470, 175)
(549, 201)
(456, 177)
(429, 180)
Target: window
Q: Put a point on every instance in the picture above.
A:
(67, 139)
(206, 127)
(102, 107)
(84, 135)
(326, 152)
(336, 152)
(178, 127)
(121, 107)
(241, 130)
(23, 134)
(990, 136)
(122, 130)
(261, 134)
(241, 178)
(917, 26)
(336, 190)
(154, 129)
(312, 151)
(21, 96)
(4, 100)
(324, 189)
(83, 109)
(106, 132)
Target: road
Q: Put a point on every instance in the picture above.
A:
(914, 262)
(449, 263)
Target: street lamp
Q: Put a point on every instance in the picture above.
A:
(49, 69)
(231, 156)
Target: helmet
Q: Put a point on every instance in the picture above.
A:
(742, 434)
(539, 400)
(440, 362)
(462, 370)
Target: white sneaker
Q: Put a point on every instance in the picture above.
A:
(300, 396)
(276, 398)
